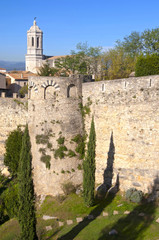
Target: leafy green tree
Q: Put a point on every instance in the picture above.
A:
(85, 60)
(117, 64)
(23, 90)
(131, 44)
(46, 70)
(27, 217)
(150, 41)
(137, 43)
(147, 65)
(13, 146)
(89, 168)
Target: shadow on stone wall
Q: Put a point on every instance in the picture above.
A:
(108, 172)
(134, 225)
(106, 199)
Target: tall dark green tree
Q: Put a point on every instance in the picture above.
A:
(27, 217)
(89, 168)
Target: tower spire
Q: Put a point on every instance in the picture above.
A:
(34, 21)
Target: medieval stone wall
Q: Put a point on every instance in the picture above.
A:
(13, 113)
(126, 118)
(54, 112)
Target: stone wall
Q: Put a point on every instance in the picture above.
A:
(13, 113)
(54, 112)
(126, 118)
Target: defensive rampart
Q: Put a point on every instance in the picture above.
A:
(54, 120)
(13, 113)
(126, 118)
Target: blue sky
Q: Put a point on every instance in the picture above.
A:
(68, 22)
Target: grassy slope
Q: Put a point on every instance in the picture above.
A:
(129, 227)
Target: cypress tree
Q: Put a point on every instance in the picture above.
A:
(27, 217)
(89, 168)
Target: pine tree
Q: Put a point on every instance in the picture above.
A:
(89, 168)
(27, 217)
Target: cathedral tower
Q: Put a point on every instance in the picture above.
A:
(34, 56)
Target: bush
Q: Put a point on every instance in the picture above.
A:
(68, 188)
(10, 199)
(46, 159)
(147, 65)
(134, 195)
(80, 140)
(2, 216)
(23, 91)
(61, 140)
(13, 147)
(59, 153)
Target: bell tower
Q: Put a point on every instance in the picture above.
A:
(34, 56)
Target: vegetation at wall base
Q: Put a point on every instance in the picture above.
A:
(26, 216)
(129, 226)
(89, 168)
(13, 147)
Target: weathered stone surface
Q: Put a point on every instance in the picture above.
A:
(141, 214)
(105, 214)
(120, 205)
(61, 224)
(113, 232)
(48, 228)
(46, 217)
(128, 109)
(79, 219)
(157, 220)
(115, 212)
(127, 212)
(69, 222)
(126, 114)
(12, 115)
(54, 112)
(90, 217)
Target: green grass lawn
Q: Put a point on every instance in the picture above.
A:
(129, 227)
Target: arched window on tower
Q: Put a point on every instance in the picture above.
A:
(32, 42)
(37, 42)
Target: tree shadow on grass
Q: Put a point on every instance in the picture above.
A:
(107, 196)
(133, 225)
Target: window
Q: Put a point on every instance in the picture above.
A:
(37, 42)
(103, 87)
(32, 42)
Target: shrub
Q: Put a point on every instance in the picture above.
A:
(80, 140)
(71, 153)
(59, 153)
(42, 139)
(11, 201)
(13, 147)
(2, 216)
(68, 188)
(60, 198)
(46, 159)
(147, 65)
(23, 91)
(61, 140)
(134, 195)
